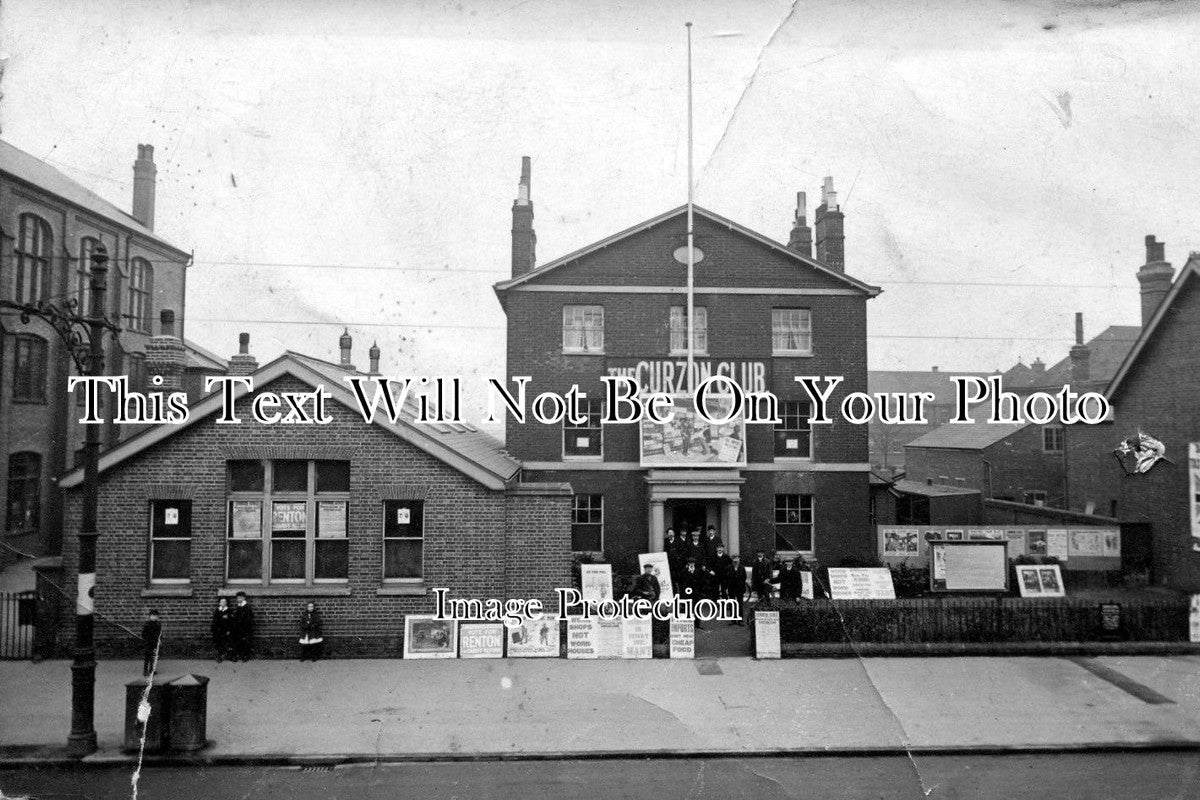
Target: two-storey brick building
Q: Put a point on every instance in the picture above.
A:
(764, 314)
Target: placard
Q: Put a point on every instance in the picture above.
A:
(534, 639)
(806, 584)
(403, 515)
(978, 566)
(289, 516)
(867, 583)
(426, 636)
(595, 582)
(662, 571)
(900, 542)
(1110, 621)
(766, 634)
(1195, 618)
(1058, 544)
(683, 638)
(1112, 542)
(1086, 543)
(171, 516)
(581, 638)
(331, 519)
(1194, 492)
(610, 638)
(1039, 580)
(637, 639)
(481, 640)
(688, 441)
(1016, 543)
(1036, 543)
(247, 519)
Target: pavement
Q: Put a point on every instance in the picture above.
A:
(267, 712)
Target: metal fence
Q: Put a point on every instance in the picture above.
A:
(18, 622)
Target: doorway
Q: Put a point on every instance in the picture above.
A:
(686, 515)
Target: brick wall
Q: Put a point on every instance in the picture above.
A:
(1014, 465)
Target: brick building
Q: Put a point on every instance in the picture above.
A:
(49, 226)
(764, 313)
(1156, 390)
(363, 518)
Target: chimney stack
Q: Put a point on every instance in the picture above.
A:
(524, 240)
(1081, 356)
(1038, 367)
(831, 242)
(373, 354)
(801, 238)
(1155, 277)
(243, 363)
(344, 344)
(144, 175)
(166, 356)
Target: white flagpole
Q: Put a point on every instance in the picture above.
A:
(691, 250)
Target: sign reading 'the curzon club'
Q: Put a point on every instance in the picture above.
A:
(670, 375)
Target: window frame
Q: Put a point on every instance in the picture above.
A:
(582, 349)
(266, 498)
(1030, 497)
(594, 414)
(139, 293)
(30, 500)
(34, 251)
(30, 375)
(594, 505)
(679, 326)
(802, 500)
(803, 431)
(154, 539)
(388, 506)
(1058, 435)
(778, 330)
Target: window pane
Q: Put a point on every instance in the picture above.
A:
(332, 558)
(290, 476)
(287, 558)
(402, 558)
(333, 476)
(793, 537)
(171, 518)
(245, 558)
(586, 537)
(171, 559)
(245, 476)
(403, 518)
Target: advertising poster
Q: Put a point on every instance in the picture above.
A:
(1112, 542)
(247, 519)
(1195, 618)
(867, 583)
(1039, 581)
(806, 585)
(683, 638)
(689, 441)
(969, 566)
(766, 634)
(1194, 491)
(581, 638)
(481, 640)
(596, 582)
(1086, 543)
(331, 519)
(289, 516)
(610, 638)
(662, 571)
(534, 639)
(985, 534)
(637, 641)
(1058, 544)
(1036, 540)
(1016, 543)
(425, 636)
(901, 542)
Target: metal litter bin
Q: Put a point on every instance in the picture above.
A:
(188, 700)
(154, 726)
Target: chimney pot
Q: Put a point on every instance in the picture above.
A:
(1078, 327)
(828, 226)
(935, 369)
(243, 343)
(1081, 355)
(144, 177)
(243, 363)
(345, 343)
(800, 239)
(373, 354)
(1155, 278)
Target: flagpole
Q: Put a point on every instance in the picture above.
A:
(691, 250)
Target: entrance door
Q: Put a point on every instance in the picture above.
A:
(688, 515)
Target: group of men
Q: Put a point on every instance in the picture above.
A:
(700, 567)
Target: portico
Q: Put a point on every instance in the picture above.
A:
(723, 487)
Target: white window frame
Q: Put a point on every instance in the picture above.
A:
(678, 331)
(576, 330)
(153, 505)
(798, 431)
(569, 430)
(781, 328)
(409, 580)
(599, 509)
(812, 523)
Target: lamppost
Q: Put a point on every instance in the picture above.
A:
(84, 339)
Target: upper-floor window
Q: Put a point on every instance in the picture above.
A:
(137, 294)
(791, 332)
(1052, 439)
(679, 329)
(83, 272)
(34, 245)
(586, 438)
(793, 435)
(288, 521)
(583, 329)
(24, 491)
(30, 368)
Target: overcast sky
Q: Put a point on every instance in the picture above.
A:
(1029, 143)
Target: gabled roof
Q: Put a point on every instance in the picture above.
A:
(34, 171)
(1190, 269)
(975, 435)
(463, 447)
(910, 381)
(799, 258)
(1108, 349)
(200, 358)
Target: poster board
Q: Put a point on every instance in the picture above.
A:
(867, 583)
(969, 566)
(1058, 543)
(610, 638)
(1194, 619)
(581, 638)
(1077, 547)
(596, 582)
(1040, 580)
(637, 640)
(689, 441)
(1194, 493)
(534, 639)
(426, 636)
(683, 638)
(662, 571)
(481, 640)
(766, 634)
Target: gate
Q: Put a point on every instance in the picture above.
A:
(18, 618)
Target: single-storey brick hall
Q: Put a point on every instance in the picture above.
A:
(363, 518)
(764, 314)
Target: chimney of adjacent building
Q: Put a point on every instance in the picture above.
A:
(344, 344)
(243, 363)
(1038, 367)
(935, 369)
(1155, 277)
(801, 239)
(524, 240)
(373, 354)
(831, 242)
(144, 174)
(1081, 356)
(166, 356)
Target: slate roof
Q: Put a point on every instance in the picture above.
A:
(31, 170)
(909, 381)
(931, 490)
(1108, 350)
(200, 358)
(975, 435)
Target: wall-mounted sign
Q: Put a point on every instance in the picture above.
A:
(670, 375)
(689, 441)
(980, 566)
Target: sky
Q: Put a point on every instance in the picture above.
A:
(354, 163)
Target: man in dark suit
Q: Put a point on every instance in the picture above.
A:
(760, 577)
(671, 548)
(722, 572)
(791, 583)
(646, 585)
(241, 639)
